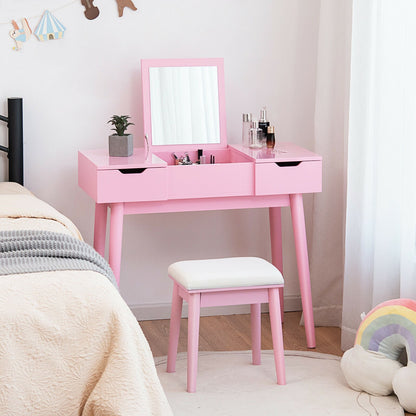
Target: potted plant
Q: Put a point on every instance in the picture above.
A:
(120, 143)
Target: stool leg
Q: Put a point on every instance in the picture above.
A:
(256, 333)
(193, 338)
(277, 335)
(174, 328)
(281, 298)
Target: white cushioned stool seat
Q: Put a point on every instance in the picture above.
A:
(226, 272)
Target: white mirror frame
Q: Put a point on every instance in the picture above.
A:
(147, 64)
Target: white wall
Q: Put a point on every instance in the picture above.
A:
(72, 86)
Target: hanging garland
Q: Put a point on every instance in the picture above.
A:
(49, 27)
(91, 11)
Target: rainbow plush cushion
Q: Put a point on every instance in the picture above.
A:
(372, 365)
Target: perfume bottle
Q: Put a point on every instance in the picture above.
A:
(271, 139)
(263, 124)
(256, 135)
(246, 129)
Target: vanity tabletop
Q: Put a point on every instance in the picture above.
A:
(101, 159)
(283, 152)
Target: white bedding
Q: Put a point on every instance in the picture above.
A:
(69, 344)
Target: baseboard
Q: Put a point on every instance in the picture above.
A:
(162, 310)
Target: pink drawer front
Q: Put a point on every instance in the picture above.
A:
(204, 181)
(132, 185)
(288, 178)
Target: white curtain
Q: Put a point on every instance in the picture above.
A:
(380, 240)
(327, 235)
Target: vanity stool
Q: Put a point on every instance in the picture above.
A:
(219, 282)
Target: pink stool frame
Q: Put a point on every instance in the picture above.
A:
(255, 296)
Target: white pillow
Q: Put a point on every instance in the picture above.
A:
(369, 371)
(404, 383)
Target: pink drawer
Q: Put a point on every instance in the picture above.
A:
(133, 185)
(288, 178)
(204, 181)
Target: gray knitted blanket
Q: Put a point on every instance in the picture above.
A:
(30, 251)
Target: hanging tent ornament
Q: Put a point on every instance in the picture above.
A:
(20, 35)
(91, 11)
(49, 27)
(124, 3)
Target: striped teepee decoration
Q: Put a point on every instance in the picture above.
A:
(49, 27)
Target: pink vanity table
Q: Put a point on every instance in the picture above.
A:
(150, 182)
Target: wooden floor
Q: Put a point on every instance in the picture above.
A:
(232, 333)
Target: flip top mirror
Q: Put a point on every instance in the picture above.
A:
(183, 103)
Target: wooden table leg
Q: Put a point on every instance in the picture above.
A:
(275, 219)
(116, 236)
(100, 228)
(299, 231)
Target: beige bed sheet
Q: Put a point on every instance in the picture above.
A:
(69, 344)
(21, 210)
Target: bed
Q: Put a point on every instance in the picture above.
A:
(69, 344)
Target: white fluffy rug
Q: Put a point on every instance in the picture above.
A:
(227, 384)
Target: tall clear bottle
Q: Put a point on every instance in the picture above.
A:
(256, 135)
(246, 129)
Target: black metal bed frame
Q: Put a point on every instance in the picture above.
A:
(15, 150)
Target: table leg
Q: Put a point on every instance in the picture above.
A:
(116, 236)
(100, 228)
(275, 219)
(299, 231)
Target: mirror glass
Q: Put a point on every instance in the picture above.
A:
(184, 100)
(184, 105)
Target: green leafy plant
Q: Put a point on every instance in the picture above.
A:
(120, 124)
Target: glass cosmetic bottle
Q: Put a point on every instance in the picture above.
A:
(270, 139)
(246, 129)
(263, 124)
(256, 135)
